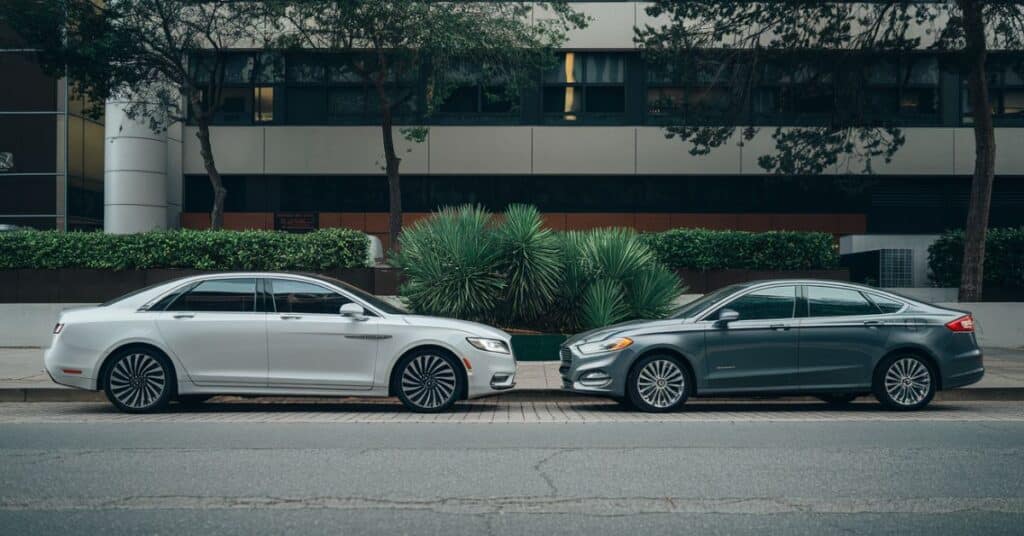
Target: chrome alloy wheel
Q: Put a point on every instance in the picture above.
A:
(661, 383)
(137, 380)
(907, 381)
(429, 381)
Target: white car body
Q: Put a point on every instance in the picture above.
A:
(271, 353)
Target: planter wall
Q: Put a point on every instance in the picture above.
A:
(540, 347)
(81, 285)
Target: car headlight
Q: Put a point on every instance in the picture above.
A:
(610, 345)
(489, 345)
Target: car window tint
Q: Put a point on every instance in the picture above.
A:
(774, 302)
(886, 305)
(223, 295)
(298, 297)
(832, 301)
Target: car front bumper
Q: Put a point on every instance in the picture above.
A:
(601, 374)
(489, 373)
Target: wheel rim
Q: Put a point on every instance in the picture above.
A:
(661, 383)
(137, 380)
(907, 381)
(428, 381)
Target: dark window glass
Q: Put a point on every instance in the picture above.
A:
(462, 100)
(775, 302)
(235, 105)
(299, 297)
(31, 194)
(219, 295)
(306, 106)
(610, 99)
(24, 87)
(32, 142)
(886, 305)
(830, 301)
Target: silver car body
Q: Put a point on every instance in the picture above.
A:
(798, 354)
(270, 353)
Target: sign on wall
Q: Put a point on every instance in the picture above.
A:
(295, 222)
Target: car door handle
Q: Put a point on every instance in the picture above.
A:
(780, 327)
(872, 323)
(184, 315)
(290, 317)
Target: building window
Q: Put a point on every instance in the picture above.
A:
(901, 88)
(586, 86)
(263, 96)
(327, 89)
(1006, 91)
(794, 88)
(477, 96)
(701, 96)
(247, 92)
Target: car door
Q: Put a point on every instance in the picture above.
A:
(842, 336)
(218, 333)
(758, 351)
(312, 345)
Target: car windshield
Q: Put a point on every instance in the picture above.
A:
(376, 302)
(705, 301)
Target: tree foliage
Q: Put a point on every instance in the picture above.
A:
(728, 47)
(389, 44)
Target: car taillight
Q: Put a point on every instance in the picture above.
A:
(962, 324)
(58, 328)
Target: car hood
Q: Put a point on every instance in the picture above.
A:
(472, 328)
(634, 328)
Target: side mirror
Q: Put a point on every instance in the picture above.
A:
(353, 311)
(727, 315)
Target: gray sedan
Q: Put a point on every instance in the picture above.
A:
(836, 341)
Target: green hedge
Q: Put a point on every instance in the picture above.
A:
(704, 249)
(199, 250)
(1004, 258)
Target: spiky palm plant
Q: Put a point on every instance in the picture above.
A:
(531, 262)
(652, 293)
(604, 303)
(452, 265)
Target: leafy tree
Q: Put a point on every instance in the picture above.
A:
(392, 44)
(728, 47)
(145, 51)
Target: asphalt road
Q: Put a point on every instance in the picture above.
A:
(914, 477)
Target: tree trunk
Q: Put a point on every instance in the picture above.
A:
(976, 50)
(219, 192)
(392, 162)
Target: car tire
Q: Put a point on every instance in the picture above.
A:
(838, 399)
(658, 383)
(428, 381)
(139, 380)
(904, 382)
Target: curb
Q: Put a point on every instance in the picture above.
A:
(984, 394)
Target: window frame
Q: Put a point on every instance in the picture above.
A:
(806, 313)
(581, 86)
(268, 287)
(706, 316)
(191, 286)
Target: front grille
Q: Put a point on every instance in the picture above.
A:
(566, 357)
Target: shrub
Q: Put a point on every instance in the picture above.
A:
(201, 250)
(451, 265)
(1004, 258)
(465, 264)
(704, 249)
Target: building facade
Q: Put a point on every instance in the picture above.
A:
(51, 150)
(297, 141)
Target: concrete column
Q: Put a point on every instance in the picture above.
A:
(135, 189)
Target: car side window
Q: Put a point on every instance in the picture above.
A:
(219, 295)
(306, 298)
(886, 305)
(832, 301)
(764, 304)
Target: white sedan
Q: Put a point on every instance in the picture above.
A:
(273, 334)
